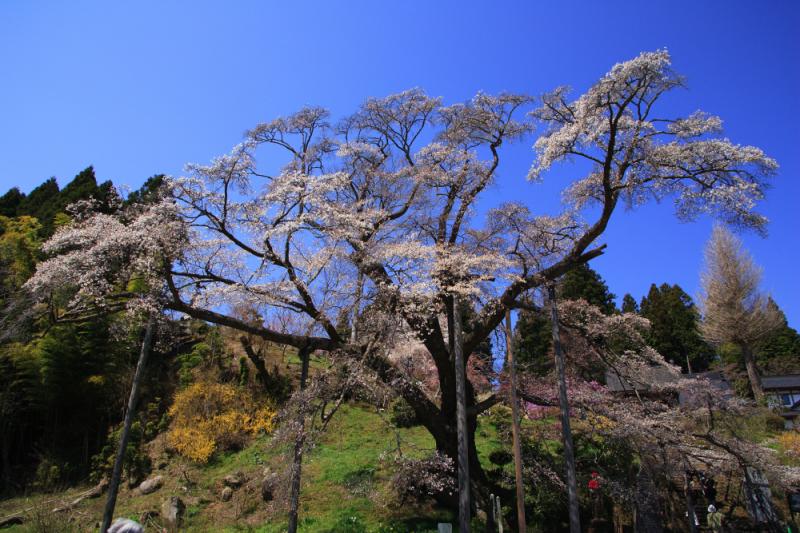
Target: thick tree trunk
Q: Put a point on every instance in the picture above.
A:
(299, 443)
(262, 374)
(515, 433)
(113, 486)
(752, 372)
(461, 419)
(566, 432)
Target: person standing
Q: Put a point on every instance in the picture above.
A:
(714, 519)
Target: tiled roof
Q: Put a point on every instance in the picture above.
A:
(788, 381)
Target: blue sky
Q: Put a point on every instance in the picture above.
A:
(142, 88)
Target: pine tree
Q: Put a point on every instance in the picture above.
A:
(629, 304)
(674, 327)
(584, 282)
(533, 339)
(533, 332)
(9, 202)
(779, 352)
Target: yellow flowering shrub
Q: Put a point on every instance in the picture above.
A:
(790, 443)
(206, 417)
(592, 423)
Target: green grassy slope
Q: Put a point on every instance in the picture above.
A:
(346, 484)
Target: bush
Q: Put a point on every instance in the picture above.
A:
(500, 457)
(207, 417)
(402, 415)
(136, 463)
(418, 480)
(790, 443)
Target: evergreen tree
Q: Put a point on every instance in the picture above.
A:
(673, 327)
(779, 352)
(147, 193)
(532, 341)
(584, 282)
(9, 202)
(533, 333)
(42, 204)
(629, 304)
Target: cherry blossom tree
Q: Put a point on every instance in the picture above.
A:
(377, 211)
(670, 421)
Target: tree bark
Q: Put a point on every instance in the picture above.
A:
(566, 432)
(515, 432)
(262, 374)
(113, 487)
(461, 419)
(297, 462)
(752, 372)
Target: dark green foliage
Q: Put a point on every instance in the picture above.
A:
(584, 282)
(673, 327)
(41, 202)
(148, 193)
(244, 371)
(533, 338)
(46, 201)
(199, 354)
(779, 352)
(533, 332)
(136, 463)
(9, 202)
(500, 457)
(402, 415)
(629, 304)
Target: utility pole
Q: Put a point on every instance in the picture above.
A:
(300, 439)
(457, 348)
(133, 398)
(515, 431)
(566, 432)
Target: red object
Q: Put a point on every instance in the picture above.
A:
(595, 474)
(594, 484)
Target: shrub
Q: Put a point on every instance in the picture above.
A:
(207, 417)
(790, 443)
(500, 457)
(420, 479)
(402, 415)
(136, 463)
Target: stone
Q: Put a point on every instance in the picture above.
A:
(233, 481)
(227, 494)
(172, 512)
(151, 485)
(268, 486)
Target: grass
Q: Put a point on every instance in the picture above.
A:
(346, 483)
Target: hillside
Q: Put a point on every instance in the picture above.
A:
(346, 485)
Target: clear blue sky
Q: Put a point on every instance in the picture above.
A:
(139, 88)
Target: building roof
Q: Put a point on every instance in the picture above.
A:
(787, 381)
(657, 375)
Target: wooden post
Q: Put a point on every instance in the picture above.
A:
(461, 420)
(689, 502)
(566, 432)
(515, 431)
(300, 439)
(133, 398)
